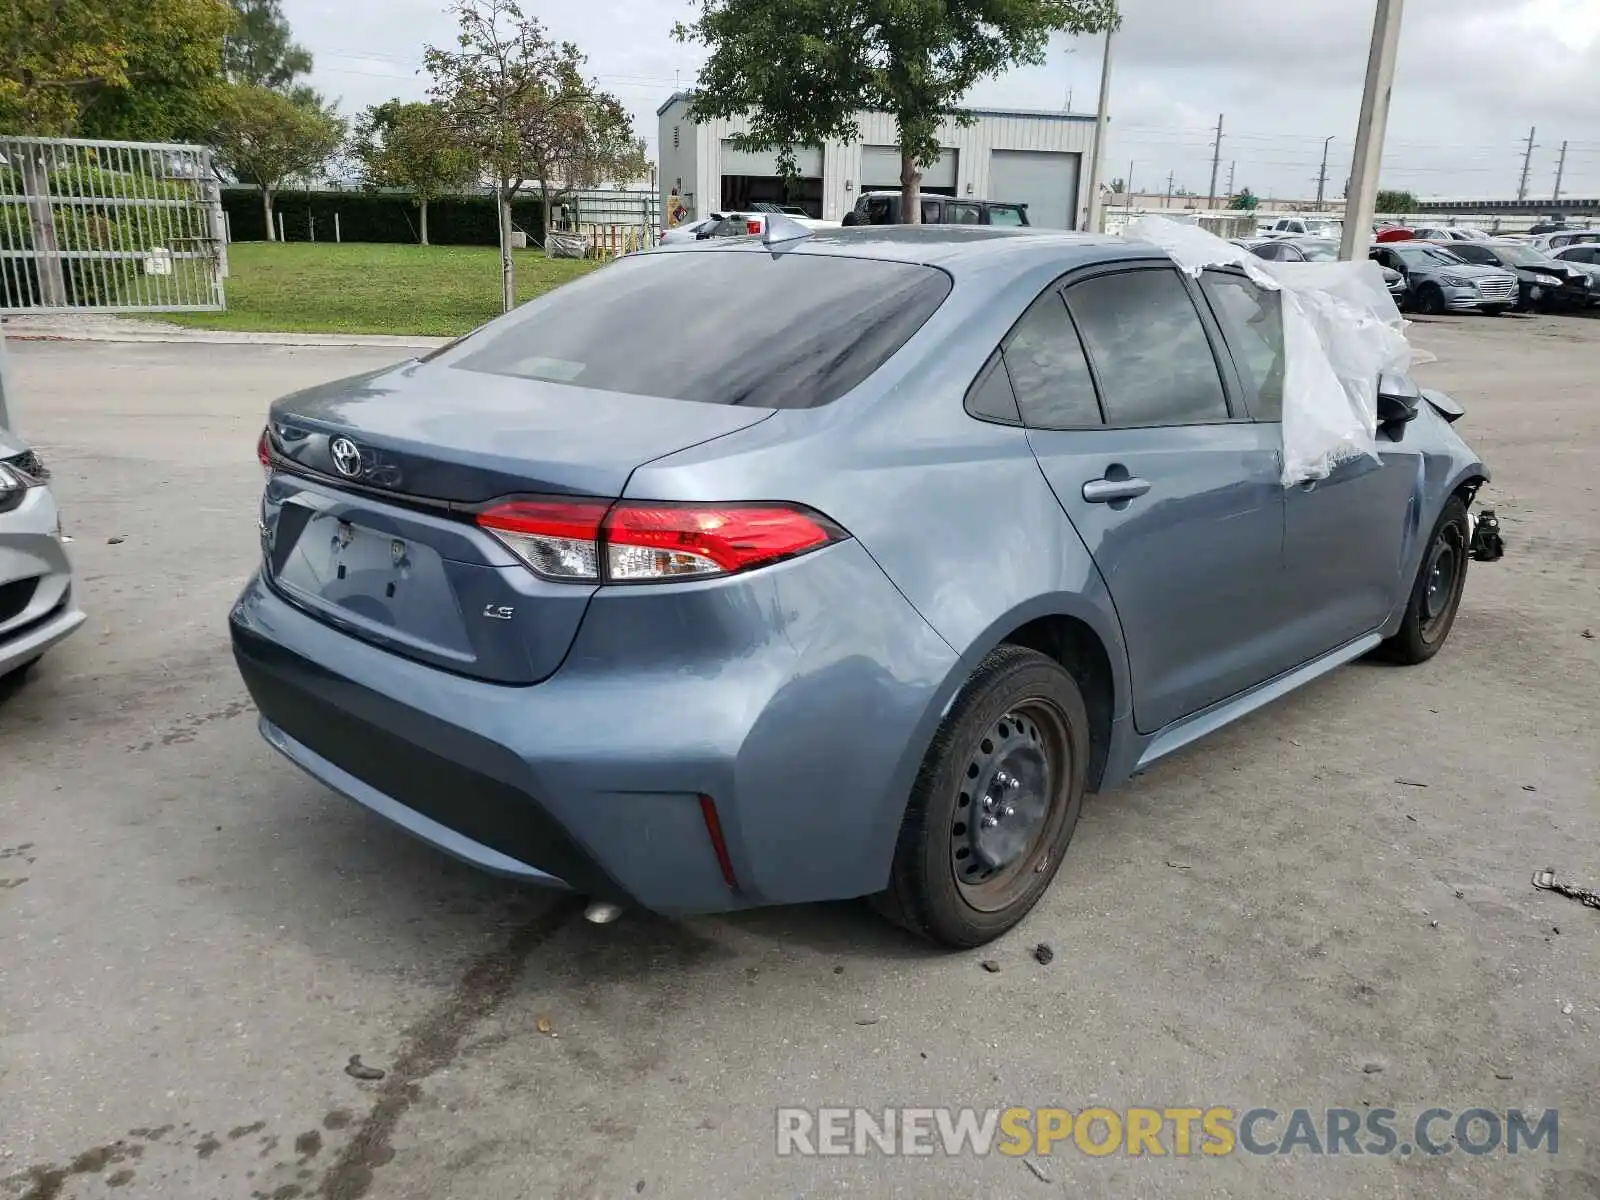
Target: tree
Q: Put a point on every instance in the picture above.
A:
(61, 56)
(1396, 203)
(260, 50)
(521, 104)
(801, 74)
(264, 137)
(413, 146)
(1245, 200)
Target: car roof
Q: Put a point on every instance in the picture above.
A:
(951, 247)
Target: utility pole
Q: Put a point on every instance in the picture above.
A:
(1561, 169)
(1527, 161)
(1168, 204)
(1233, 166)
(1127, 185)
(1099, 138)
(5, 382)
(1322, 176)
(1362, 194)
(1216, 161)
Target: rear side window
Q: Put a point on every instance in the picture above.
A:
(1006, 215)
(1252, 317)
(718, 326)
(1149, 349)
(880, 211)
(1048, 371)
(932, 212)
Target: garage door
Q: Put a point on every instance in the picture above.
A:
(1047, 183)
(764, 162)
(880, 170)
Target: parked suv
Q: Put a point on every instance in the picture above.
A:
(854, 584)
(1440, 281)
(883, 208)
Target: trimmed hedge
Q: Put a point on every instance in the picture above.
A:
(378, 217)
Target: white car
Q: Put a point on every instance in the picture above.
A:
(37, 609)
(745, 224)
(1319, 227)
(1549, 243)
(1450, 233)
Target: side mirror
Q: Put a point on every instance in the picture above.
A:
(1399, 400)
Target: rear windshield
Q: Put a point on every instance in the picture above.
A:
(723, 327)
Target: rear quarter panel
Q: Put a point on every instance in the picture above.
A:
(954, 510)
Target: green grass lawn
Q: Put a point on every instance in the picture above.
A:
(323, 287)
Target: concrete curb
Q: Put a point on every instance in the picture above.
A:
(213, 337)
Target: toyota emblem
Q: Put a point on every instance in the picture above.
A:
(346, 457)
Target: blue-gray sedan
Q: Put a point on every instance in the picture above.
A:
(739, 574)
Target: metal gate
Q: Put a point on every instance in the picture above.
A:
(109, 227)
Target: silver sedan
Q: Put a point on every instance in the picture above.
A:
(37, 609)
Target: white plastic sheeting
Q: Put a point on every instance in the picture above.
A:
(1341, 330)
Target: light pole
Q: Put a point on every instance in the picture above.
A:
(1361, 200)
(1095, 162)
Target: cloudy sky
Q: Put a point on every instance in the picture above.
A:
(1474, 76)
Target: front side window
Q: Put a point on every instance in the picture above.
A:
(1005, 214)
(963, 214)
(1048, 371)
(932, 212)
(1252, 318)
(1149, 349)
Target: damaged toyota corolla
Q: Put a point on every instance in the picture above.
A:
(832, 564)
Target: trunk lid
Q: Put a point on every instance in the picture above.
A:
(370, 527)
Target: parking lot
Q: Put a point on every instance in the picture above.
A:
(1325, 906)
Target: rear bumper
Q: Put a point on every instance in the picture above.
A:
(798, 698)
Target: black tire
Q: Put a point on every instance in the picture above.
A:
(1494, 310)
(1436, 594)
(1430, 300)
(1018, 731)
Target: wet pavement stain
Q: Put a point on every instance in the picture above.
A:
(47, 1182)
(337, 1118)
(308, 1144)
(433, 1043)
(240, 1131)
(207, 1146)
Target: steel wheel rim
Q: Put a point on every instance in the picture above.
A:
(1441, 580)
(1011, 804)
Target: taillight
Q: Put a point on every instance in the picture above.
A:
(559, 539)
(264, 451)
(752, 225)
(630, 542)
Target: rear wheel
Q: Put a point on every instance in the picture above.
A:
(1436, 594)
(995, 804)
(1430, 300)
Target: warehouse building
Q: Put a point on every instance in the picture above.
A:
(1040, 159)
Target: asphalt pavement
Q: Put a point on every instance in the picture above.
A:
(1325, 906)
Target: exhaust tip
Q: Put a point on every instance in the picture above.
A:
(599, 912)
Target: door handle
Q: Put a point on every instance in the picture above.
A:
(1108, 491)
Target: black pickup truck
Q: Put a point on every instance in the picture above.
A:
(883, 208)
